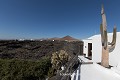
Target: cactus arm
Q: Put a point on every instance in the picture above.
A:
(112, 44)
(102, 36)
(111, 48)
(104, 22)
(102, 11)
(105, 40)
(114, 37)
(104, 29)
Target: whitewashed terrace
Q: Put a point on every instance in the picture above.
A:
(94, 72)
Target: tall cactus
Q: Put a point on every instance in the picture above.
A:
(106, 46)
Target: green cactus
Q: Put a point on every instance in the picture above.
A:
(59, 59)
(106, 46)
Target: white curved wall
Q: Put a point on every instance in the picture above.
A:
(114, 57)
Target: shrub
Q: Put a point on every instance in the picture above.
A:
(51, 72)
(12, 69)
(59, 58)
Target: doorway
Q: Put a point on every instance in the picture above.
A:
(90, 51)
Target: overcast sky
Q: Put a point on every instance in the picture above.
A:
(55, 18)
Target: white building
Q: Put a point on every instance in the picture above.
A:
(93, 49)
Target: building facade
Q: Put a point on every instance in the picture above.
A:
(95, 52)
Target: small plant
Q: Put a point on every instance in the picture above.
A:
(63, 55)
(55, 60)
(59, 59)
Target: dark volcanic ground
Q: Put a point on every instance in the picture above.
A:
(36, 49)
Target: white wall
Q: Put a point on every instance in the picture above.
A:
(114, 57)
(96, 48)
(85, 47)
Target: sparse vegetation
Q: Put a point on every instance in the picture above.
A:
(28, 60)
(59, 58)
(12, 69)
(36, 49)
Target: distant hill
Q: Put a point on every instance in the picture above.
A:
(66, 38)
(69, 38)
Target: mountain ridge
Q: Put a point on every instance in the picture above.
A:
(65, 38)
